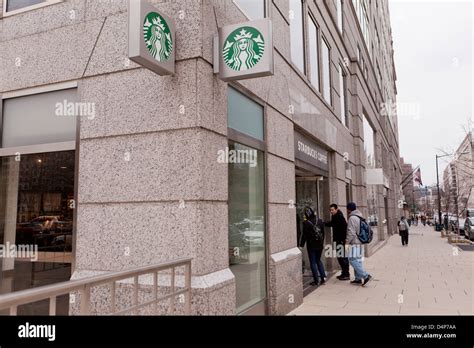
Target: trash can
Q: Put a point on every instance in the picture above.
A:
(438, 227)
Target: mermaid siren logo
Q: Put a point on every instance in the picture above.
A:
(157, 37)
(243, 49)
(151, 38)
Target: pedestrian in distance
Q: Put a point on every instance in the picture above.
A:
(313, 237)
(355, 245)
(403, 230)
(423, 220)
(339, 232)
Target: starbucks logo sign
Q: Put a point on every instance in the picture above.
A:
(243, 48)
(157, 37)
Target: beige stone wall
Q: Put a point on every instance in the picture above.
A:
(153, 142)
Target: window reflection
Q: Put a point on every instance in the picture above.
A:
(296, 34)
(13, 5)
(326, 61)
(36, 216)
(313, 52)
(369, 147)
(247, 228)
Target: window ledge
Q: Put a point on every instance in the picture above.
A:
(27, 8)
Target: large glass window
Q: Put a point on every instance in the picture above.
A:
(313, 52)
(369, 148)
(326, 62)
(247, 258)
(247, 227)
(37, 188)
(296, 34)
(13, 5)
(36, 216)
(339, 14)
(40, 118)
(342, 96)
(253, 9)
(244, 115)
(363, 18)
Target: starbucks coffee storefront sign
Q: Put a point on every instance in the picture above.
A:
(308, 151)
(151, 38)
(245, 50)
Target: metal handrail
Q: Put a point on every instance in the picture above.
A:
(13, 300)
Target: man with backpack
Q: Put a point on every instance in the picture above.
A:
(358, 233)
(403, 230)
(313, 236)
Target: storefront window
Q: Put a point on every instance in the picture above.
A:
(37, 204)
(247, 248)
(244, 115)
(39, 119)
(36, 219)
(247, 226)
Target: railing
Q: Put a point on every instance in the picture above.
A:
(84, 286)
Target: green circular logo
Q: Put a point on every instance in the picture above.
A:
(157, 36)
(243, 48)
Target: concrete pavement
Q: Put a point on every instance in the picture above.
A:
(428, 277)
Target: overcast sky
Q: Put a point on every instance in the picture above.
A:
(433, 43)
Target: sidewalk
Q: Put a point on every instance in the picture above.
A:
(426, 278)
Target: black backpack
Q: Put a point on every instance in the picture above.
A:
(318, 233)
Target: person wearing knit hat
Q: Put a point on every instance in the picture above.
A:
(355, 245)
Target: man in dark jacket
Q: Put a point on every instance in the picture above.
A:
(339, 232)
(313, 237)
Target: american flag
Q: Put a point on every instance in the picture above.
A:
(417, 178)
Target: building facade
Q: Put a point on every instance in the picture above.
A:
(458, 179)
(139, 178)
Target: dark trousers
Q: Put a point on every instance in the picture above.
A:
(343, 261)
(316, 264)
(404, 236)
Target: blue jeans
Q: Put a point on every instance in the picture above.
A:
(355, 259)
(316, 264)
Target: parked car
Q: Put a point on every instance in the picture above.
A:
(62, 242)
(469, 228)
(462, 222)
(30, 232)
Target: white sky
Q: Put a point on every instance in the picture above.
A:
(433, 43)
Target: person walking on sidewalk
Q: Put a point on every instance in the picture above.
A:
(403, 230)
(313, 236)
(355, 245)
(339, 229)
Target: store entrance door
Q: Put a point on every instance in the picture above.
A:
(309, 192)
